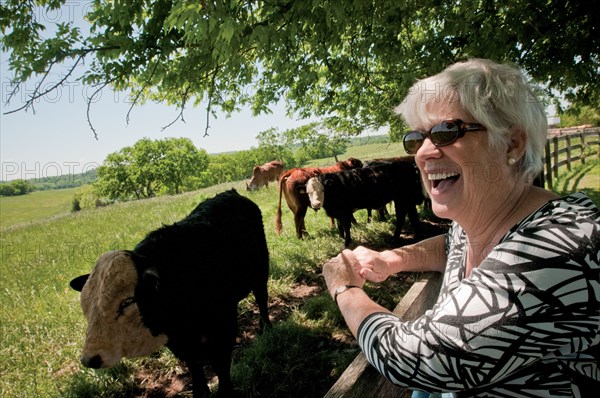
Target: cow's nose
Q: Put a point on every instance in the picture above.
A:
(94, 362)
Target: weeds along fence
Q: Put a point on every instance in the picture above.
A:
(567, 146)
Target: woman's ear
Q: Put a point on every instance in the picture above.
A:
(517, 143)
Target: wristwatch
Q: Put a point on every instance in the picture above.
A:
(341, 289)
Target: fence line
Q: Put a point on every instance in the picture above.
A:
(566, 146)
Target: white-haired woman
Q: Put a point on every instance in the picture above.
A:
(519, 309)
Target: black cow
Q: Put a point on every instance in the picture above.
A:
(344, 192)
(382, 211)
(180, 286)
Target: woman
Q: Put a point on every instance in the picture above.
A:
(519, 309)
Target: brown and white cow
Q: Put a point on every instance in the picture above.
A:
(292, 185)
(261, 175)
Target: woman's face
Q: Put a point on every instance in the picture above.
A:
(466, 177)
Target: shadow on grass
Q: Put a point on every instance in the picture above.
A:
(294, 360)
(584, 178)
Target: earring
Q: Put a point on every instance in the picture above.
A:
(512, 161)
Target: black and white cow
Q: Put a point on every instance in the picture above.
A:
(180, 286)
(344, 192)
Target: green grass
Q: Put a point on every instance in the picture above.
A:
(582, 177)
(364, 152)
(42, 327)
(35, 206)
(41, 321)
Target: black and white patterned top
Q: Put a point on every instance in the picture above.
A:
(525, 323)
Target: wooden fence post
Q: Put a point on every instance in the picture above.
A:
(568, 148)
(548, 156)
(582, 138)
(555, 163)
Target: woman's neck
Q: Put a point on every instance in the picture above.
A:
(484, 235)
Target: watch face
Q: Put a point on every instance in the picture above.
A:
(342, 289)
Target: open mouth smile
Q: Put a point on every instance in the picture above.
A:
(438, 180)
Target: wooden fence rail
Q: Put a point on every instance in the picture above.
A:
(566, 146)
(360, 379)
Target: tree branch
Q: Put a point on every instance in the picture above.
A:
(89, 104)
(139, 94)
(37, 94)
(184, 100)
(211, 93)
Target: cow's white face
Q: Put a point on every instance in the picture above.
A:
(115, 329)
(251, 186)
(316, 192)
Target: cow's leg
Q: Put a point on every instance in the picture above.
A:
(262, 297)
(222, 366)
(413, 216)
(344, 224)
(400, 216)
(220, 352)
(347, 224)
(299, 221)
(340, 225)
(199, 387)
(382, 211)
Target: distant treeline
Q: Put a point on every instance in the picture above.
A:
(22, 187)
(65, 181)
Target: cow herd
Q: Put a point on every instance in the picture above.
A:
(349, 186)
(181, 285)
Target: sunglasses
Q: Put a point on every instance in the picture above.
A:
(442, 134)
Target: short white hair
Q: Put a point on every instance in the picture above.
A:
(498, 96)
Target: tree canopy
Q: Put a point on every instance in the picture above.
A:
(150, 167)
(349, 61)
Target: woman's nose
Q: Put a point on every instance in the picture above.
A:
(428, 150)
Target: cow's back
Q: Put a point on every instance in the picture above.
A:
(222, 239)
(371, 187)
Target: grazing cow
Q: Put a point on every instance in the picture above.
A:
(180, 286)
(382, 212)
(261, 175)
(342, 193)
(292, 184)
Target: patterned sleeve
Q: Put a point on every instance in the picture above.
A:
(530, 311)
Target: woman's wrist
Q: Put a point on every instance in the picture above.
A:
(393, 260)
(341, 289)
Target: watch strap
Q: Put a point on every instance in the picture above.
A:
(341, 289)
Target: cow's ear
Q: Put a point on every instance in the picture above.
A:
(78, 282)
(151, 279)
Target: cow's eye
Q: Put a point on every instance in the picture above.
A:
(124, 304)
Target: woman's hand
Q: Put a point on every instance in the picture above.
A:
(342, 270)
(373, 266)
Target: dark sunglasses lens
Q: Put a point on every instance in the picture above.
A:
(412, 141)
(444, 133)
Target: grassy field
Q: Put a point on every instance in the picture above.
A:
(35, 206)
(42, 327)
(583, 177)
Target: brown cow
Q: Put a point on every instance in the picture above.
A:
(292, 184)
(261, 175)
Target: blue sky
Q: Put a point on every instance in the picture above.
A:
(57, 139)
(57, 136)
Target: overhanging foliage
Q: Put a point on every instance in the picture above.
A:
(348, 60)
